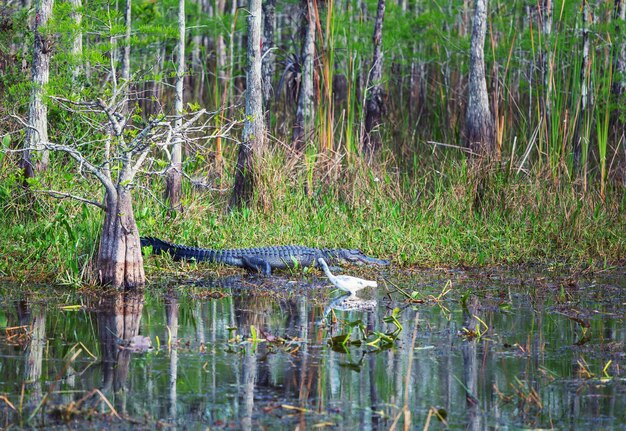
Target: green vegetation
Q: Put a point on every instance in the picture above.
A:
(428, 220)
(554, 192)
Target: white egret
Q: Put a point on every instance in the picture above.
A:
(346, 283)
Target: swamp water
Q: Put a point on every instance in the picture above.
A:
(505, 349)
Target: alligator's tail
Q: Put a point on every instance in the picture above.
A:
(158, 245)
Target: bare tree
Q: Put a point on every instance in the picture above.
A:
(253, 129)
(174, 172)
(305, 110)
(375, 106)
(119, 262)
(479, 133)
(35, 157)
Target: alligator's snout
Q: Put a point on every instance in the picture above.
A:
(359, 258)
(373, 261)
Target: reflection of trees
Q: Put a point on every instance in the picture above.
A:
(118, 322)
(171, 316)
(470, 365)
(249, 378)
(35, 319)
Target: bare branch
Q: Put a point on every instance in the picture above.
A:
(78, 156)
(62, 195)
(113, 117)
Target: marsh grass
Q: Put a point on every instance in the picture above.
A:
(427, 218)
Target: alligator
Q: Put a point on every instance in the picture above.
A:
(262, 259)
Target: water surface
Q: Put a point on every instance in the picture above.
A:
(515, 349)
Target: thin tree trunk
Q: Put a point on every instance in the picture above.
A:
(125, 72)
(120, 263)
(619, 87)
(174, 172)
(253, 130)
(77, 39)
(547, 67)
(305, 110)
(267, 66)
(585, 80)
(479, 133)
(220, 48)
(35, 157)
(196, 65)
(374, 107)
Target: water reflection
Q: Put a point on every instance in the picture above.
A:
(472, 328)
(171, 317)
(349, 303)
(34, 319)
(255, 356)
(118, 318)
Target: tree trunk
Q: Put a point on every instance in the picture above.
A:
(305, 111)
(585, 81)
(547, 67)
(77, 40)
(267, 66)
(619, 86)
(120, 263)
(479, 133)
(174, 173)
(375, 107)
(37, 130)
(253, 130)
(125, 72)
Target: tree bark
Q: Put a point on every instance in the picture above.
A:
(585, 81)
(125, 72)
(35, 156)
(619, 87)
(120, 262)
(375, 107)
(77, 39)
(547, 67)
(173, 187)
(253, 130)
(267, 64)
(305, 110)
(479, 132)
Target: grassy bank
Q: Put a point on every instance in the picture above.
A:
(452, 216)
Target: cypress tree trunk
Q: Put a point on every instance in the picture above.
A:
(479, 132)
(125, 72)
(174, 172)
(77, 40)
(253, 130)
(619, 86)
(37, 130)
(547, 67)
(305, 110)
(267, 66)
(585, 80)
(374, 107)
(120, 263)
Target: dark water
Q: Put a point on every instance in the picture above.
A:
(516, 349)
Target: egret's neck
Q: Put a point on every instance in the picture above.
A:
(327, 271)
